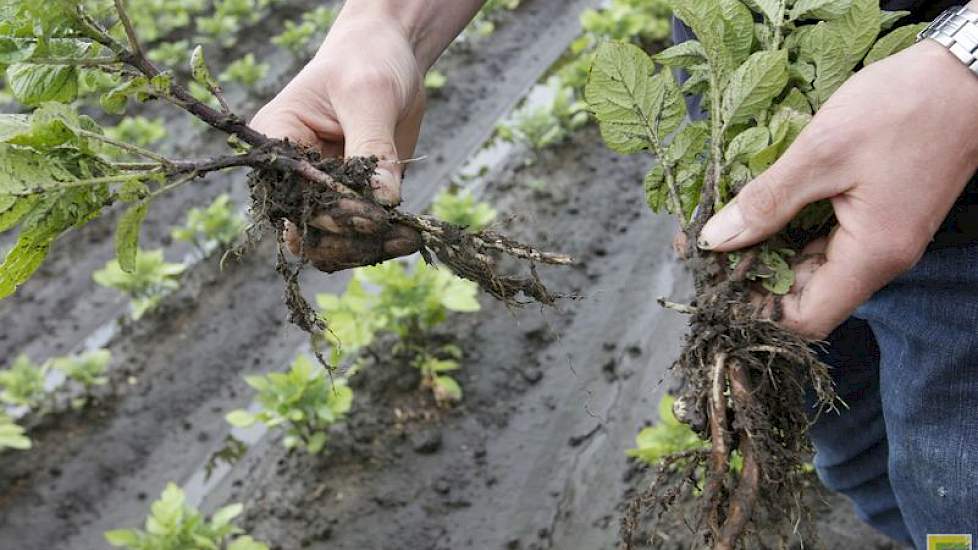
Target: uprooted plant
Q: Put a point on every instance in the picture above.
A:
(762, 70)
(54, 175)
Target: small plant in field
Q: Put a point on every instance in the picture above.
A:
(484, 23)
(171, 54)
(408, 303)
(667, 437)
(245, 71)
(151, 279)
(461, 208)
(435, 80)
(173, 525)
(322, 17)
(763, 69)
(23, 384)
(12, 435)
(547, 124)
(412, 302)
(297, 36)
(86, 370)
(138, 130)
(434, 373)
(304, 401)
(217, 225)
(645, 23)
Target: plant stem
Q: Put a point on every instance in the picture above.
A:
(137, 48)
(57, 186)
(134, 149)
(93, 62)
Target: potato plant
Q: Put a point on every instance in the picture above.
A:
(87, 370)
(150, 279)
(763, 69)
(56, 174)
(207, 228)
(23, 385)
(409, 303)
(549, 123)
(12, 435)
(461, 208)
(172, 524)
(304, 402)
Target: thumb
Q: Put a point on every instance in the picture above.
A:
(764, 206)
(368, 130)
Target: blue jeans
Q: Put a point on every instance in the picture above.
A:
(906, 449)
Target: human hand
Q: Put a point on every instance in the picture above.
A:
(892, 150)
(362, 95)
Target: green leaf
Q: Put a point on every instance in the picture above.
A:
(123, 537)
(688, 143)
(889, 18)
(754, 85)
(47, 220)
(200, 71)
(246, 543)
(224, 516)
(747, 143)
(635, 109)
(13, 209)
(127, 235)
(15, 50)
(683, 54)
(893, 42)
(857, 30)
(33, 84)
(240, 418)
(656, 194)
(316, 443)
(446, 388)
(768, 8)
(819, 9)
(114, 101)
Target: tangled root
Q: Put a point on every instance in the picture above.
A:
(745, 384)
(278, 195)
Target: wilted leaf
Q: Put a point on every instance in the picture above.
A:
(127, 235)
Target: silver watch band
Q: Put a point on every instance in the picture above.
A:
(957, 30)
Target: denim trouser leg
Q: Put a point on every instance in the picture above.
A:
(906, 449)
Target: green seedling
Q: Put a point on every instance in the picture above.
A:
(303, 402)
(146, 285)
(174, 525)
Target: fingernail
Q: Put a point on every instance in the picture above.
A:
(722, 228)
(385, 186)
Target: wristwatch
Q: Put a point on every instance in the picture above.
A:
(957, 30)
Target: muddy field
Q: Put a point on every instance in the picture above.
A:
(532, 458)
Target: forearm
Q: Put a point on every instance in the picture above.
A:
(430, 25)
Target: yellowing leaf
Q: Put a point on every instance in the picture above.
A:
(33, 84)
(127, 235)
